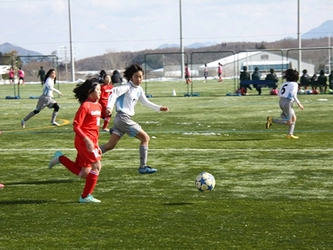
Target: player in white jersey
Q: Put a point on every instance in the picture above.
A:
(46, 99)
(125, 98)
(288, 95)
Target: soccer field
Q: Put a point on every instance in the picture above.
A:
(270, 193)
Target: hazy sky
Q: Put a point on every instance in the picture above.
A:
(100, 26)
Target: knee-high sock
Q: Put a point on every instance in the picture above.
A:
(31, 114)
(291, 129)
(54, 116)
(143, 155)
(70, 165)
(91, 181)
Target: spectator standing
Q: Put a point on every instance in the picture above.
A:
(330, 80)
(314, 82)
(116, 78)
(20, 74)
(102, 73)
(305, 81)
(256, 76)
(322, 82)
(11, 75)
(288, 95)
(106, 90)
(244, 75)
(219, 72)
(41, 75)
(272, 76)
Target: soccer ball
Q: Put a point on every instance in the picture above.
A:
(205, 182)
(274, 92)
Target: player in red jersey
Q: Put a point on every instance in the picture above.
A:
(86, 127)
(106, 90)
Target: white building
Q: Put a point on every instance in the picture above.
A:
(264, 60)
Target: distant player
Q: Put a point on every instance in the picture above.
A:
(46, 99)
(41, 75)
(11, 75)
(205, 72)
(187, 74)
(219, 72)
(288, 95)
(106, 90)
(86, 127)
(21, 75)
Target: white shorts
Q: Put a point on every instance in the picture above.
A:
(123, 124)
(45, 101)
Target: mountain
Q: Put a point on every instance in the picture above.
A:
(324, 30)
(191, 46)
(168, 46)
(7, 47)
(200, 45)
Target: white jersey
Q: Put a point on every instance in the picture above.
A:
(289, 90)
(49, 88)
(126, 96)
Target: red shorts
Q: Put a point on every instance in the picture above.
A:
(84, 158)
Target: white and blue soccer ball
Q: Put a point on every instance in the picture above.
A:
(205, 182)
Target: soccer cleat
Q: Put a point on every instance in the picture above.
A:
(55, 124)
(55, 159)
(105, 130)
(22, 123)
(269, 122)
(147, 170)
(88, 199)
(292, 137)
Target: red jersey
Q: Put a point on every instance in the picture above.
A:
(106, 90)
(86, 123)
(11, 74)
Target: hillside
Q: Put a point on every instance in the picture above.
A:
(119, 60)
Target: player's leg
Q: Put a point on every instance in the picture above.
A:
(56, 108)
(59, 157)
(41, 104)
(111, 144)
(292, 125)
(106, 123)
(143, 150)
(91, 181)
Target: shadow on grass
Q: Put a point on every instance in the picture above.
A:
(177, 203)
(241, 139)
(23, 202)
(38, 182)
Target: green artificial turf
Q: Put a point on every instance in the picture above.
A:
(270, 193)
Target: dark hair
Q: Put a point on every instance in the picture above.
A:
(48, 74)
(291, 75)
(271, 70)
(106, 76)
(244, 68)
(102, 73)
(82, 90)
(129, 72)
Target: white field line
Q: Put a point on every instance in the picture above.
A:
(180, 149)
